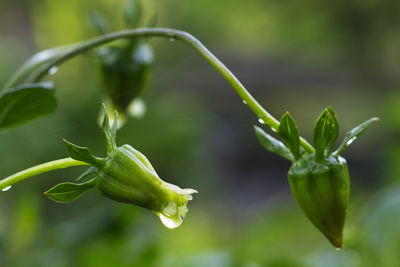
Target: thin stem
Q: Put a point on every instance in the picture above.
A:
(39, 169)
(261, 113)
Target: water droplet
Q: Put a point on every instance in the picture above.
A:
(137, 108)
(273, 130)
(53, 70)
(351, 141)
(171, 39)
(261, 121)
(6, 188)
(170, 222)
(244, 102)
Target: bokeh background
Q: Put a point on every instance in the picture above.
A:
(297, 56)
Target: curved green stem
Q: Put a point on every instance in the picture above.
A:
(261, 113)
(39, 169)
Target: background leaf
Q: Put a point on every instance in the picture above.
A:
(273, 145)
(326, 131)
(132, 13)
(68, 192)
(27, 102)
(289, 134)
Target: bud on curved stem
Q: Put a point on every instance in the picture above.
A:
(319, 181)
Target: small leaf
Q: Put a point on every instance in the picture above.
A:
(110, 133)
(326, 131)
(98, 22)
(354, 134)
(68, 192)
(132, 13)
(290, 135)
(82, 154)
(273, 145)
(89, 172)
(27, 102)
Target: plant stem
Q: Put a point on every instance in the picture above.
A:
(39, 169)
(261, 113)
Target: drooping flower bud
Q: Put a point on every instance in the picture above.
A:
(319, 181)
(127, 176)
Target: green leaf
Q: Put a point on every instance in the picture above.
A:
(354, 134)
(290, 135)
(132, 13)
(98, 22)
(68, 192)
(82, 154)
(273, 145)
(326, 131)
(27, 102)
(110, 132)
(88, 173)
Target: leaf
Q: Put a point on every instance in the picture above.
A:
(82, 154)
(290, 135)
(25, 103)
(69, 192)
(273, 145)
(326, 131)
(89, 172)
(354, 134)
(132, 13)
(110, 133)
(98, 22)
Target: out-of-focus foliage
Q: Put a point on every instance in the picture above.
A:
(296, 56)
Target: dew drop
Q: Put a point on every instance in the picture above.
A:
(172, 39)
(170, 222)
(137, 108)
(261, 121)
(273, 130)
(351, 141)
(244, 102)
(6, 188)
(53, 70)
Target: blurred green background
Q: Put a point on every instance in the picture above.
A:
(297, 56)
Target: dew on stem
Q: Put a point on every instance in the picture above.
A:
(53, 70)
(261, 121)
(6, 188)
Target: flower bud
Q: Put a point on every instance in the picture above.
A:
(127, 176)
(322, 192)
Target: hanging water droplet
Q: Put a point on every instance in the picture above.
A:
(137, 108)
(171, 39)
(244, 102)
(170, 222)
(261, 121)
(351, 141)
(6, 188)
(53, 70)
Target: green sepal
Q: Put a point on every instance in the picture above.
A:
(88, 173)
(326, 131)
(132, 13)
(26, 102)
(354, 134)
(82, 154)
(289, 134)
(98, 22)
(69, 192)
(110, 132)
(273, 145)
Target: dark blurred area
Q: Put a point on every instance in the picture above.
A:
(292, 56)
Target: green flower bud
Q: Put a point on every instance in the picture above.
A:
(125, 71)
(322, 192)
(319, 181)
(127, 176)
